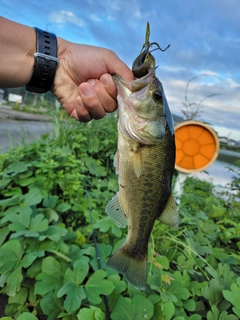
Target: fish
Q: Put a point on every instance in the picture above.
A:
(144, 163)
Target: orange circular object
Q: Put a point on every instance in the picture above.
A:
(197, 146)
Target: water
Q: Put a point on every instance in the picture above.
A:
(13, 133)
(218, 173)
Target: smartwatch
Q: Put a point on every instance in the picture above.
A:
(46, 62)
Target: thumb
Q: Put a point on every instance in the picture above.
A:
(116, 66)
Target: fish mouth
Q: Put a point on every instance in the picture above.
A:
(137, 84)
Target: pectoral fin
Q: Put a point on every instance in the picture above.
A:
(137, 162)
(116, 162)
(170, 214)
(113, 209)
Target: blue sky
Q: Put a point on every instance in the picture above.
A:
(204, 37)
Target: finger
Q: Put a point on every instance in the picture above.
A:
(116, 65)
(109, 85)
(91, 101)
(80, 112)
(106, 94)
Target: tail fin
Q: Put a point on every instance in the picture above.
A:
(134, 270)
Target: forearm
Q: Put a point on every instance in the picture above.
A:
(17, 47)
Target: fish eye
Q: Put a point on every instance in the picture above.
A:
(157, 95)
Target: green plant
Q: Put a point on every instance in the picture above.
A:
(53, 266)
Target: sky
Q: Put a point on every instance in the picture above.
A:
(204, 37)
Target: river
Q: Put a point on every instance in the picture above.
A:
(14, 132)
(219, 172)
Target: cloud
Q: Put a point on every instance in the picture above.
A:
(204, 38)
(221, 110)
(95, 18)
(62, 17)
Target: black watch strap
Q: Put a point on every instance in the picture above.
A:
(46, 62)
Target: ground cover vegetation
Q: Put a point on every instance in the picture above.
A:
(52, 197)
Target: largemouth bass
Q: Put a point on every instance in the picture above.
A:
(144, 163)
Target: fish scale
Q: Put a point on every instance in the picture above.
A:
(144, 163)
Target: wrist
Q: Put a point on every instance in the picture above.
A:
(46, 62)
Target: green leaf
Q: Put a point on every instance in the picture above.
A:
(213, 314)
(236, 311)
(178, 290)
(27, 181)
(3, 234)
(97, 285)
(63, 207)
(122, 309)
(120, 285)
(50, 214)
(35, 268)
(162, 262)
(14, 281)
(32, 198)
(154, 298)
(10, 255)
(79, 272)
(13, 191)
(17, 167)
(107, 223)
(198, 317)
(137, 308)
(27, 316)
(54, 233)
(75, 295)
(94, 145)
(50, 278)
(233, 296)
(50, 201)
(189, 305)
(25, 233)
(104, 252)
(185, 263)
(225, 316)
(142, 307)
(20, 297)
(21, 220)
(38, 223)
(29, 258)
(3, 279)
(10, 201)
(95, 167)
(90, 314)
(4, 183)
(60, 254)
(9, 213)
(164, 310)
(51, 306)
(213, 292)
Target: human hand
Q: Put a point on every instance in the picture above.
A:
(83, 83)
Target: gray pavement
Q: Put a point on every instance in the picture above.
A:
(18, 127)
